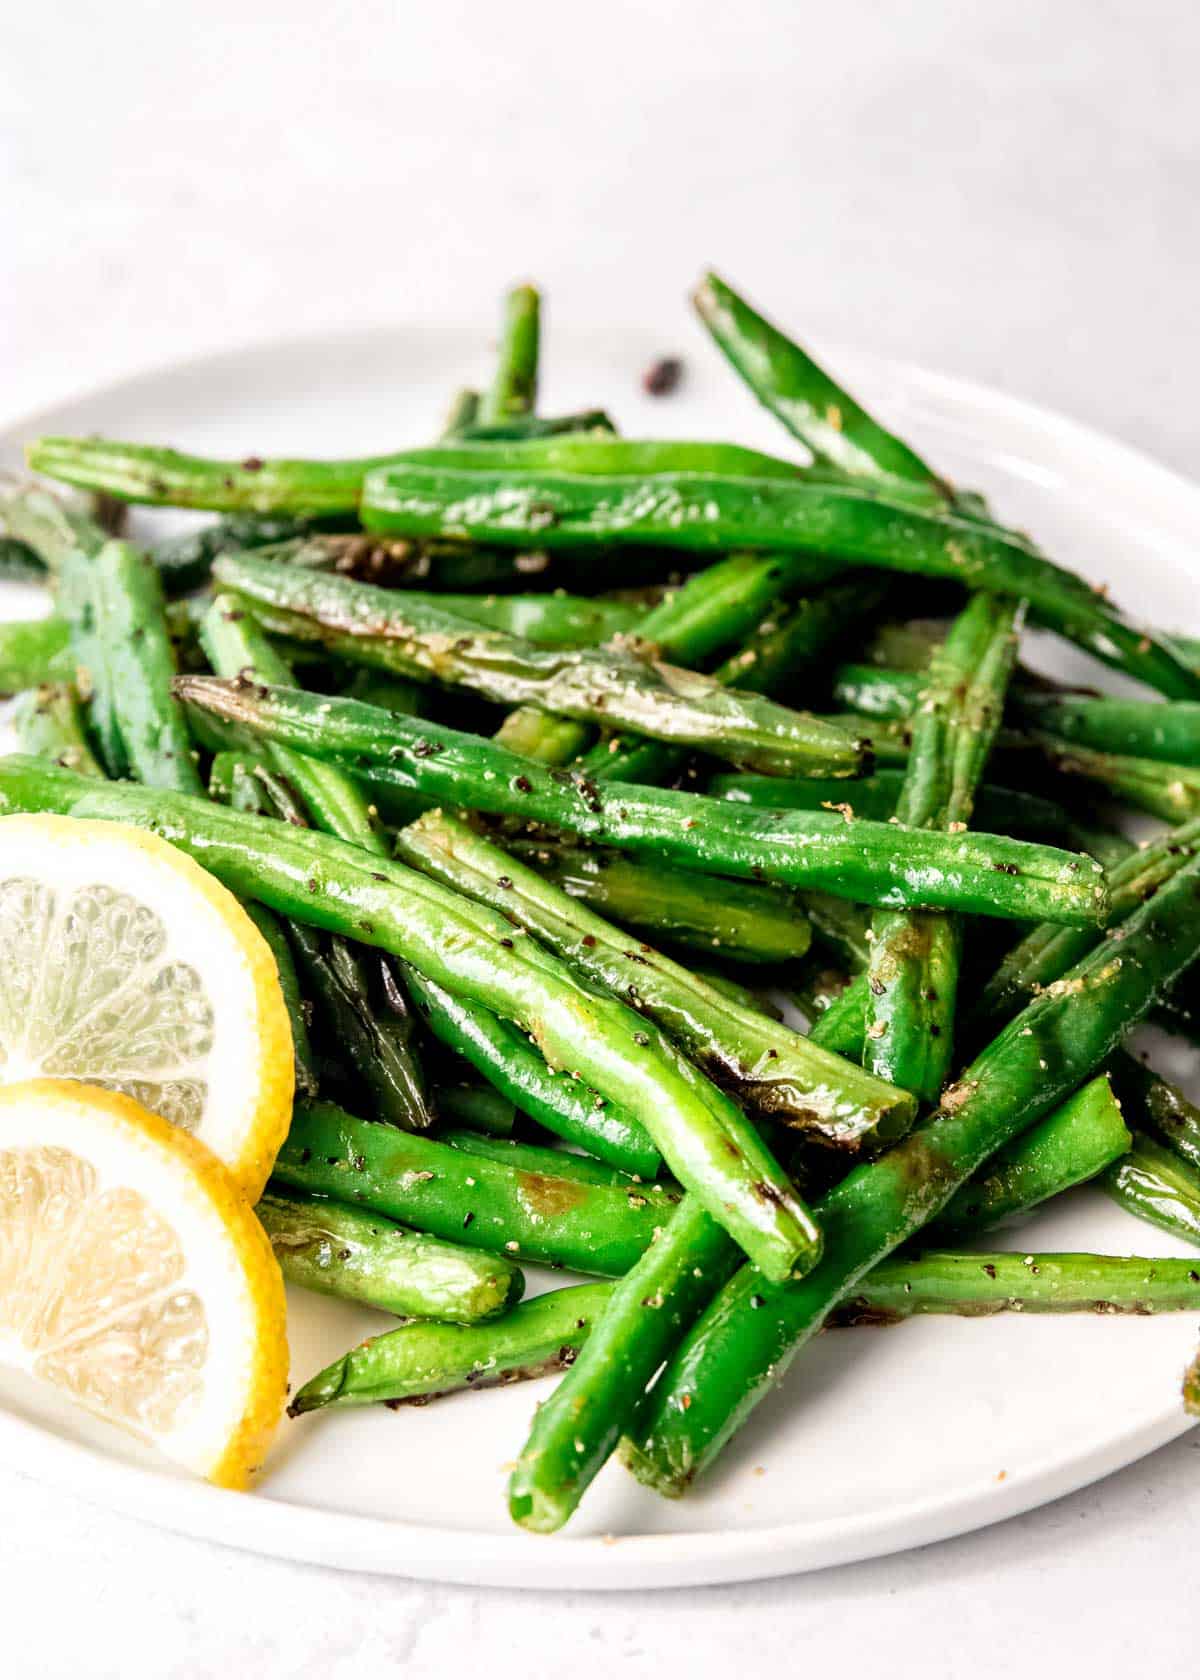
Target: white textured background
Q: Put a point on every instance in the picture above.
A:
(1005, 191)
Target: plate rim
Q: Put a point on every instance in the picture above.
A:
(285, 1528)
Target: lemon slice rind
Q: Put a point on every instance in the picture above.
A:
(169, 1321)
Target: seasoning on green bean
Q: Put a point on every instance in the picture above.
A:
(416, 637)
(1071, 1145)
(505, 1057)
(363, 1257)
(872, 863)
(48, 723)
(576, 1430)
(745, 1341)
(462, 1196)
(813, 407)
(777, 1070)
(976, 1285)
(743, 921)
(421, 1361)
(912, 971)
(702, 512)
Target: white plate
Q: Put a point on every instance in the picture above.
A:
(879, 1440)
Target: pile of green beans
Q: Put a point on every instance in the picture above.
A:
(545, 759)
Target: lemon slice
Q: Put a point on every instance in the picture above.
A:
(135, 1278)
(126, 965)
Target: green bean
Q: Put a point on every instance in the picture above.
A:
(48, 722)
(1154, 1184)
(813, 407)
(513, 391)
(561, 620)
(1072, 1144)
(978, 1285)
(87, 657)
(371, 1031)
(912, 971)
(137, 472)
(744, 1342)
(781, 645)
(524, 426)
(131, 633)
(700, 512)
(873, 863)
(1136, 728)
(413, 636)
(268, 925)
(1167, 790)
(1045, 955)
(998, 810)
(743, 922)
(770, 1066)
(479, 1106)
(563, 1105)
(363, 1257)
(1158, 1107)
(462, 1196)
(543, 1158)
(473, 952)
(716, 606)
(49, 526)
(577, 1428)
(421, 1361)
(332, 801)
(598, 453)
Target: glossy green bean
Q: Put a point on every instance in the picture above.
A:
(332, 801)
(771, 1067)
(700, 512)
(576, 1430)
(1154, 1184)
(872, 863)
(415, 637)
(978, 1285)
(358, 1256)
(741, 921)
(418, 1362)
(463, 1196)
(813, 406)
(1158, 1107)
(745, 1341)
(131, 631)
(505, 1057)
(912, 970)
(1071, 1145)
